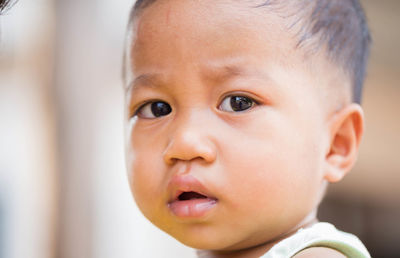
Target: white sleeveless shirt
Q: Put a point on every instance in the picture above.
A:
(321, 234)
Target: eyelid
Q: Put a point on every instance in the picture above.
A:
(253, 97)
(226, 105)
(249, 95)
(147, 111)
(134, 109)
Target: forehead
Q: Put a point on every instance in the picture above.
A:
(208, 29)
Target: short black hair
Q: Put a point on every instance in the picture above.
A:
(4, 5)
(338, 25)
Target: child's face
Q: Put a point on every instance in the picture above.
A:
(236, 117)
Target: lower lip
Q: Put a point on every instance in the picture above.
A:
(194, 208)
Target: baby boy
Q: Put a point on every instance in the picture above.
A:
(238, 115)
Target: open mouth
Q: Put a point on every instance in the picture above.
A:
(192, 205)
(191, 196)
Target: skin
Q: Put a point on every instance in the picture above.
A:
(267, 166)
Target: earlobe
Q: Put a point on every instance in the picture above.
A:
(346, 130)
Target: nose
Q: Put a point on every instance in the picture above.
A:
(190, 140)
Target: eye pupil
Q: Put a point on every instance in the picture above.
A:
(240, 103)
(160, 109)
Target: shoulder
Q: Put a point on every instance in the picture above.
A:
(315, 252)
(320, 240)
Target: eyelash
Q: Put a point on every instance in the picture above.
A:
(136, 111)
(253, 102)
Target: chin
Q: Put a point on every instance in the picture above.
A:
(209, 242)
(206, 245)
(203, 241)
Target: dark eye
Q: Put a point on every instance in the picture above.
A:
(154, 109)
(236, 103)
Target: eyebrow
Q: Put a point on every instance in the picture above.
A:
(224, 73)
(219, 74)
(216, 74)
(147, 80)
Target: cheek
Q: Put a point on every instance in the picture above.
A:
(259, 173)
(147, 188)
(273, 160)
(146, 172)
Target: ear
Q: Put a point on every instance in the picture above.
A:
(346, 130)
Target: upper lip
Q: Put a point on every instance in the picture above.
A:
(186, 183)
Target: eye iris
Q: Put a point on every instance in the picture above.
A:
(240, 103)
(160, 109)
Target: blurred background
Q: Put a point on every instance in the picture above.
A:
(63, 187)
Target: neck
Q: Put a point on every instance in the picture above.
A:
(258, 250)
